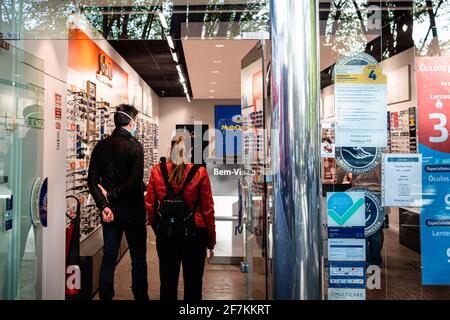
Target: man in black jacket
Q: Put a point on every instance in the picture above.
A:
(116, 172)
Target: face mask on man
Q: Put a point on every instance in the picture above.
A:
(134, 130)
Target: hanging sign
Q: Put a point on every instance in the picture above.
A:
(360, 102)
(433, 100)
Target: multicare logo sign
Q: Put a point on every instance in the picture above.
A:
(433, 98)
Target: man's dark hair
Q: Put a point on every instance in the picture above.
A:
(120, 119)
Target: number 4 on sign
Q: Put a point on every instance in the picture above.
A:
(373, 75)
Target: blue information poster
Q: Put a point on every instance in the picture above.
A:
(346, 246)
(228, 120)
(433, 85)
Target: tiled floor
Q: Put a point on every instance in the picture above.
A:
(400, 277)
(220, 282)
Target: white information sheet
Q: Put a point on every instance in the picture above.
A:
(402, 180)
(361, 106)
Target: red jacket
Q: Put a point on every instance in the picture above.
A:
(204, 216)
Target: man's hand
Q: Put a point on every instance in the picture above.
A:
(108, 215)
(104, 192)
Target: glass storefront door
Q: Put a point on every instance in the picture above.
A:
(255, 163)
(384, 124)
(21, 152)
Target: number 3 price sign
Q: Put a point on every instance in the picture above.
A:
(433, 98)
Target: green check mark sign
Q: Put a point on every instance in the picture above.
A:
(341, 219)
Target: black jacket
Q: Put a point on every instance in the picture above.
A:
(117, 163)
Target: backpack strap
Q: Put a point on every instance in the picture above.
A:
(189, 177)
(165, 175)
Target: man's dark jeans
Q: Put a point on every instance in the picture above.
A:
(132, 222)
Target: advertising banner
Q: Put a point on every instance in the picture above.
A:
(86, 57)
(228, 120)
(433, 99)
(360, 102)
(346, 245)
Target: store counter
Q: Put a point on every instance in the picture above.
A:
(224, 183)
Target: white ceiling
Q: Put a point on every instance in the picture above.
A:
(200, 56)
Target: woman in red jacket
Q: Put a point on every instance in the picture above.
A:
(183, 242)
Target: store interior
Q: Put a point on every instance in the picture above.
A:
(181, 78)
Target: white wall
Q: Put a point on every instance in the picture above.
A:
(54, 53)
(173, 111)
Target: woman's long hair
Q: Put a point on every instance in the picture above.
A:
(177, 156)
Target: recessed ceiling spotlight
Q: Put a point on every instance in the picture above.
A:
(220, 45)
(215, 72)
(213, 83)
(212, 91)
(211, 97)
(217, 61)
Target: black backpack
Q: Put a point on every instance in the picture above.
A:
(175, 217)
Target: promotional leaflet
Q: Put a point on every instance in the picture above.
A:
(360, 102)
(402, 180)
(346, 245)
(433, 99)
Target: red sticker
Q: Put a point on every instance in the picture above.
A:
(58, 113)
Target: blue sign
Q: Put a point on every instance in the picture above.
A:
(435, 217)
(347, 274)
(43, 202)
(346, 245)
(228, 120)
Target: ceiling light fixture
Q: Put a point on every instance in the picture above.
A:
(162, 18)
(212, 91)
(213, 83)
(175, 57)
(217, 61)
(182, 78)
(211, 97)
(215, 72)
(170, 42)
(220, 45)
